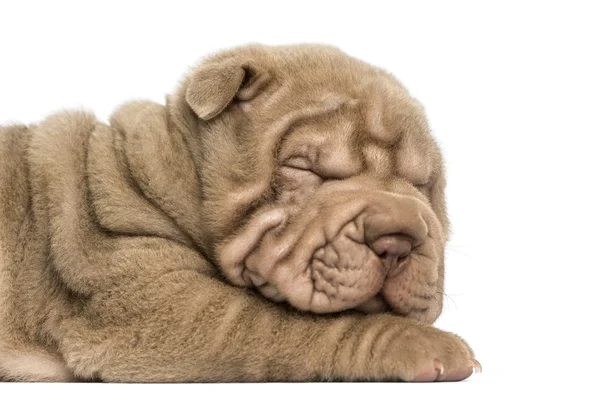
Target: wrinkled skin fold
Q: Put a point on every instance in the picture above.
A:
(281, 218)
(324, 262)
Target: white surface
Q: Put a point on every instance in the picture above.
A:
(512, 93)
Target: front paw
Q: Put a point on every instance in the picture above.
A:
(422, 353)
(390, 348)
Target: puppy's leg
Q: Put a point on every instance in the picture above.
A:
(30, 364)
(184, 326)
(20, 360)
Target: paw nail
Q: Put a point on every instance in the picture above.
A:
(476, 366)
(439, 367)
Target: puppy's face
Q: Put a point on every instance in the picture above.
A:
(322, 184)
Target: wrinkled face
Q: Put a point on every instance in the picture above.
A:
(322, 182)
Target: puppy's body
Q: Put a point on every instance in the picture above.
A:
(119, 243)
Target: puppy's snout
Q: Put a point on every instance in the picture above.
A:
(394, 245)
(391, 249)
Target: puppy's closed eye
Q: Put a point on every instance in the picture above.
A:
(301, 165)
(298, 162)
(298, 172)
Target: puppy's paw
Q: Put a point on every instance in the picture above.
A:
(426, 354)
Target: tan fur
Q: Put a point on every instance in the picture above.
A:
(120, 243)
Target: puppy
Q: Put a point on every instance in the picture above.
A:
(282, 218)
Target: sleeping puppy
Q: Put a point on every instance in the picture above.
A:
(282, 218)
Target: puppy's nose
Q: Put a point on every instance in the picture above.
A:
(392, 249)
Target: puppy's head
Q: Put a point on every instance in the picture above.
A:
(322, 184)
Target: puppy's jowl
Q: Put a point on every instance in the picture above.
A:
(282, 218)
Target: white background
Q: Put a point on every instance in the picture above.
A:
(512, 91)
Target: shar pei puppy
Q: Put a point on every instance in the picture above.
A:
(282, 218)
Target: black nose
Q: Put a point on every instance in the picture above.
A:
(392, 249)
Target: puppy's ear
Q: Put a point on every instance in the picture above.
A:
(214, 85)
